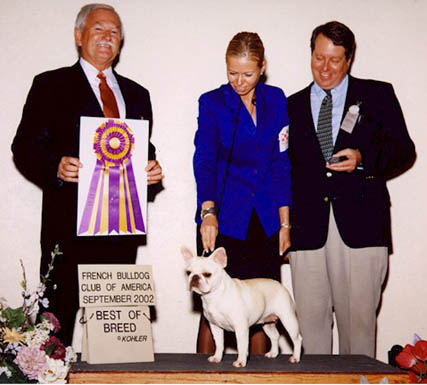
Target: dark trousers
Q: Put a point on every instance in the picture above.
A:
(255, 257)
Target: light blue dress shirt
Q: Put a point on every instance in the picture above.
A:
(338, 100)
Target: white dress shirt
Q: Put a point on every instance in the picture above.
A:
(91, 73)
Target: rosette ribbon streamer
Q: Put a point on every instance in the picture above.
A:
(112, 203)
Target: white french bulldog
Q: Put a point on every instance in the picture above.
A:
(235, 305)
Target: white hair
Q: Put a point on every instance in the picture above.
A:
(87, 9)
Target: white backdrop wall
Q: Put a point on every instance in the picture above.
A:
(176, 50)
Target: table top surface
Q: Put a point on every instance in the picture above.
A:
(170, 362)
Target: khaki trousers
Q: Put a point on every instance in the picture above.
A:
(337, 277)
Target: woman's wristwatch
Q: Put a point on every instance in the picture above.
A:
(209, 211)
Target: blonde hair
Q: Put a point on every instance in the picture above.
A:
(247, 44)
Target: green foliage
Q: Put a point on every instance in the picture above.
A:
(14, 318)
(17, 376)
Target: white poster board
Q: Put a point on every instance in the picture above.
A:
(116, 317)
(112, 189)
(117, 335)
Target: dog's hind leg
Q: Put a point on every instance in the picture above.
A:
(297, 341)
(290, 322)
(272, 333)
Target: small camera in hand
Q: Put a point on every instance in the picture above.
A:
(337, 159)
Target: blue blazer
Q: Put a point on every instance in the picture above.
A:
(259, 172)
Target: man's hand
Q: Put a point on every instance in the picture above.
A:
(68, 169)
(354, 157)
(154, 172)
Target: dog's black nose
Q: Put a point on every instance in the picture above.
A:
(195, 279)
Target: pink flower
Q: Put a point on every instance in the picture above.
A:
(53, 320)
(54, 348)
(406, 358)
(32, 361)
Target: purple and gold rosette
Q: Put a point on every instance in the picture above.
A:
(112, 204)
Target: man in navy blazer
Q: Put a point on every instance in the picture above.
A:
(46, 148)
(341, 207)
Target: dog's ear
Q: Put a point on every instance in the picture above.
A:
(220, 257)
(187, 254)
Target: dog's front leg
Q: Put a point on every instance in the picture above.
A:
(218, 335)
(242, 338)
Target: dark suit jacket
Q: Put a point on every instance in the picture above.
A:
(360, 199)
(49, 130)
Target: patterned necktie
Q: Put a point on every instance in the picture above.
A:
(109, 104)
(324, 126)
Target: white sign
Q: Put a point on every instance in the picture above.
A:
(117, 335)
(112, 189)
(115, 285)
(117, 325)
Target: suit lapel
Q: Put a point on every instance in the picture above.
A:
(124, 89)
(232, 100)
(352, 97)
(87, 102)
(308, 123)
(263, 116)
(234, 108)
(267, 129)
(353, 94)
(306, 113)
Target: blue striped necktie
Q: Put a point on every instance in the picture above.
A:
(324, 126)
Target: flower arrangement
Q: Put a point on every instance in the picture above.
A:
(414, 358)
(29, 352)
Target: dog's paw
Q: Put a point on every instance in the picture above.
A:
(214, 359)
(239, 364)
(293, 360)
(271, 354)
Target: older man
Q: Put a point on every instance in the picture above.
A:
(46, 148)
(347, 138)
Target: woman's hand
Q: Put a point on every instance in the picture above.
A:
(284, 241)
(209, 231)
(284, 232)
